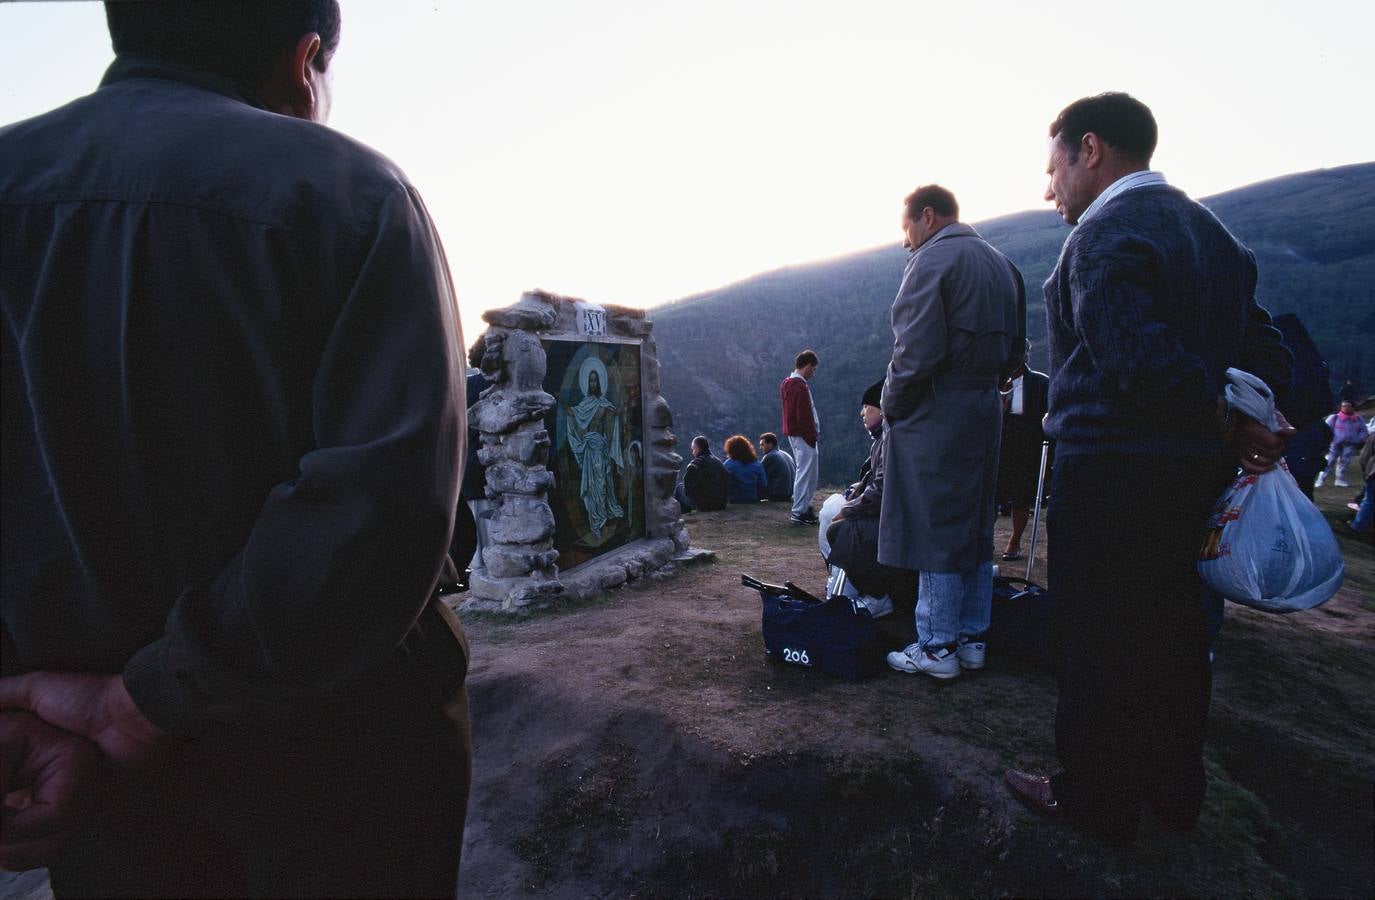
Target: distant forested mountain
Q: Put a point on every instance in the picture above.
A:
(725, 351)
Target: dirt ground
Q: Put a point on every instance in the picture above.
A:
(643, 745)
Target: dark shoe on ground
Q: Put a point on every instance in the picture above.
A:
(805, 519)
(1036, 793)
(1033, 791)
(1012, 556)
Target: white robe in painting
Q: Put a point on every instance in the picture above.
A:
(594, 435)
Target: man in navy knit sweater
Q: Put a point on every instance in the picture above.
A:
(1151, 301)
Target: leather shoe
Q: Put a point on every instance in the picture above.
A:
(1033, 791)
(1036, 794)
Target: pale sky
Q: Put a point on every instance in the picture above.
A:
(634, 151)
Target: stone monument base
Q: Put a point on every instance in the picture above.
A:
(658, 558)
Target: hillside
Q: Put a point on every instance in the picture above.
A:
(724, 351)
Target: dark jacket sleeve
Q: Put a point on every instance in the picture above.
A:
(867, 503)
(342, 558)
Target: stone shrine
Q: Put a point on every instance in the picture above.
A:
(579, 454)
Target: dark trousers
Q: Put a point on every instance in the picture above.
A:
(366, 804)
(1124, 534)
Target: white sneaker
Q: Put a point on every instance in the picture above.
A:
(912, 659)
(1340, 482)
(971, 654)
(1322, 476)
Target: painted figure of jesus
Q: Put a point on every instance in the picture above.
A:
(594, 435)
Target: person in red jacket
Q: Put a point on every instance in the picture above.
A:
(803, 429)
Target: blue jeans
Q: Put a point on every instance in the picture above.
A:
(1365, 516)
(953, 605)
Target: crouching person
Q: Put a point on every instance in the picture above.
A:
(850, 536)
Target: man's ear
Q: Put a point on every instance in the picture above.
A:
(295, 87)
(305, 87)
(1092, 148)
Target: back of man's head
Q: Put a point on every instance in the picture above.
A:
(1120, 120)
(804, 359)
(700, 446)
(239, 39)
(941, 200)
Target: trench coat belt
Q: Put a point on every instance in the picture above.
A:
(958, 381)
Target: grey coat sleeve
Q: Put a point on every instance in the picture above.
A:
(919, 336)
(342, 558)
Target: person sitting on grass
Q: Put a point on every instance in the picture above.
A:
(778, 468)
(747, 479)
(704, 480)
(1364, 523)
(850, 529)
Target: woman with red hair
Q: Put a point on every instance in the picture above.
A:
(747, 479)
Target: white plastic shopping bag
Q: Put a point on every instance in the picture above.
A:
(1268, 546)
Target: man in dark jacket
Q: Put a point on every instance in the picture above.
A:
(1151, 301)
(778, 468)
(1019, 457)
(233, 439)
(705, 480)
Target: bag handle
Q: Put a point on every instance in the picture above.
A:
(1251, 397)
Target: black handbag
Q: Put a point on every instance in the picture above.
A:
(831, 635)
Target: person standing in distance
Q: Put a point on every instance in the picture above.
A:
(802, 426)
(234, 433)
(1151, 301)
(959, 331)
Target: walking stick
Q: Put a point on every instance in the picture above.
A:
(1036, 520)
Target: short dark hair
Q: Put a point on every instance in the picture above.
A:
(739, 448)
(240, 39)
(805, 358)
(768, 437)
(941, 201)
(1122, 121)
(701, 443)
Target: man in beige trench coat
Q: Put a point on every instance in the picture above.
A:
(959, 327)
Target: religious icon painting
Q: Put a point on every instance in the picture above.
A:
(596, 434)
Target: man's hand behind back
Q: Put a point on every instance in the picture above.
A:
(96, 707)
(50, 781)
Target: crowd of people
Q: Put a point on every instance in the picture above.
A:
(235, 437)
(1151, 301)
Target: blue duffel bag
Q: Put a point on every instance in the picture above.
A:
(831, 635)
